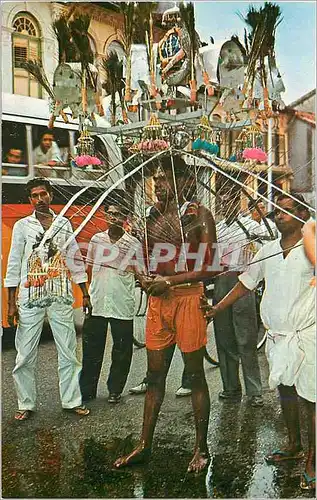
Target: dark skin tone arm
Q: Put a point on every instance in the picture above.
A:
(13, 314)
(87, 307)
(206, 221)
(238, 291)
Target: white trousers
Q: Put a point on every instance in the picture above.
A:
(27, 339)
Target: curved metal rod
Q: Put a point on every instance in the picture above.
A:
(263, 217)
(106, 193)
(277, 188)
(48, 233)
(217, 169)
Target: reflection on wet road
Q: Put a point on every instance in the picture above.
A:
(58, 455)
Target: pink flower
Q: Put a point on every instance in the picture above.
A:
(85, 160)
(256, 154)
(94, 160)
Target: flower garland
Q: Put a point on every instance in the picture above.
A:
(205, 140)
(85, 160)
(152, 138)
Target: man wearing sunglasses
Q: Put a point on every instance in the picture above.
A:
(288, 314)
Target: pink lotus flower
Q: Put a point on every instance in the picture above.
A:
(256, 154)
(85, 160)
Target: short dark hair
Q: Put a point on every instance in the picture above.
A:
(253, 203)
(16, 149)
(47, 132)
(298, 202)
(118, 198)
(38, 181)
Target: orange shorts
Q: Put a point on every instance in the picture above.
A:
(176, 319)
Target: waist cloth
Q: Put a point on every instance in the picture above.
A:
(292, 360)
(175, 318)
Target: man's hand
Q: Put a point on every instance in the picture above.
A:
(159, 286)
(144, 281)
(209, 311)
(13, 313)
(87, 307)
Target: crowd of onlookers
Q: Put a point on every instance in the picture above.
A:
(283, 267)
(46, 153)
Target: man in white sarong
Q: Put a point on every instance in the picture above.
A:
(288, 314)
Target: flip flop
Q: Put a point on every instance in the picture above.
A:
(281, 455)
(81, 411)
(21, 415)
(307, 482)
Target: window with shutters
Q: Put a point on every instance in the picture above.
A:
(26, 46)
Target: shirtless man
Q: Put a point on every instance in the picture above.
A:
(173, 313)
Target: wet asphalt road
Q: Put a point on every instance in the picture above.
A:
(60, 455)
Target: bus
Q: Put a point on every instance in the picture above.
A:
(24, 120)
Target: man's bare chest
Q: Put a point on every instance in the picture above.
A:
(169, 228)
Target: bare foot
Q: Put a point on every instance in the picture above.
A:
(310, 465)
(199, 461)
(138, 456)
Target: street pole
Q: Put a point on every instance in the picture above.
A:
(270, 163)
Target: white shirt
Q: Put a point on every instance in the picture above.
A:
(262, 230)
(53, 154)
(27, 232)
(288, 303)
(235, 250)
(40, 158)
(112, 290)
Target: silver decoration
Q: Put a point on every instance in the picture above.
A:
(180, 139)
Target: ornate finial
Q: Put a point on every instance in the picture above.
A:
(171, 16)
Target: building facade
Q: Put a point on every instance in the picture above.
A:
(302, 144)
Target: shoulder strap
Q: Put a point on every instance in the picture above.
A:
(244, 229)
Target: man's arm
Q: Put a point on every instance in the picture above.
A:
(13, 312)
(76, 266)
(87, 307)
(13, 275)
(247, 281)
(309, 235)
(56, 158)
(238, 291)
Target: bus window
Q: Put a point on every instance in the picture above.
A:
(92, 172)
(14, 149)
(51, 152)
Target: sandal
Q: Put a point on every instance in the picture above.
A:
(307, 482)
(21, 415)
(281, 455)
(81, 411)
